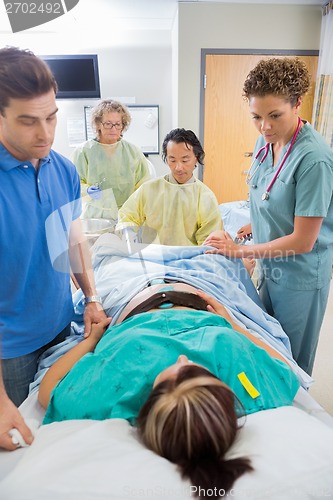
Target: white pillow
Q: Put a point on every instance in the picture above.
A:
(291, 451)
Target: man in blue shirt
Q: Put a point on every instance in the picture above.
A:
(40, 233)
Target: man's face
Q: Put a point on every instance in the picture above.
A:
(27, 127)
(181, 160)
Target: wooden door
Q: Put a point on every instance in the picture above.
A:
(229, 134)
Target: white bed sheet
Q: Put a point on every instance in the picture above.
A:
(235, 214)
(290, 448)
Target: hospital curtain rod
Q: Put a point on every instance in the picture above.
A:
(327, 7)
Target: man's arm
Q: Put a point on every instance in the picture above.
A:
(63, 365)
(80, 261)
(11, 418)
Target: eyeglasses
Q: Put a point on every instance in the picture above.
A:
(117, 126)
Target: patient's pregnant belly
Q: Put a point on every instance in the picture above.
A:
(152, 290)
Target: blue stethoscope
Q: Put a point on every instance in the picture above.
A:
(265, 195)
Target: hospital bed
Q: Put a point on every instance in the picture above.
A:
(291, 448)
(235, 214)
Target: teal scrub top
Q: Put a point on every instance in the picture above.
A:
(115, 380)
(303, 188)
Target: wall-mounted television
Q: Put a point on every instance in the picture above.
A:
(77, 76)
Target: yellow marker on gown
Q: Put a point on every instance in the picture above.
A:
(248, 386)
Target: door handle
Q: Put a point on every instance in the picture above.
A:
(248, 154)
(245, 172)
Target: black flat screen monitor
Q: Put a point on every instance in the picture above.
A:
(76, 75)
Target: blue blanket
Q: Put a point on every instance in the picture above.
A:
(123, 269)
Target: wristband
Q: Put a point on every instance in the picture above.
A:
(93, 298)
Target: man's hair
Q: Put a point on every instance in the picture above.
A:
(179, 135)
(23, 75)
(191, 420)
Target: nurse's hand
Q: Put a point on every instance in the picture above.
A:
(223, 244)
(215, 234)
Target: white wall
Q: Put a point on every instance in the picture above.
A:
(132, 63)
(174, 71)
(162, 66)
(142, 73)
(220, 25)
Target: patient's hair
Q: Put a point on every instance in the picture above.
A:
(179, 135)
(109, 106)
(286, 77)
(23, 76)
(191, 420)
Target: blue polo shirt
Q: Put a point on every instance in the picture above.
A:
(36, 211)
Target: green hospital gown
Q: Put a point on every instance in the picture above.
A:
(115, 380)
(119, 169)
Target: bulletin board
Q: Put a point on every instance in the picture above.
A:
(143, 130)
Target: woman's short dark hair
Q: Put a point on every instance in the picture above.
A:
(192, 421)
(179, 135)
(23, 75)
(285, 77)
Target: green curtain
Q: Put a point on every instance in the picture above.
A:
(322, 117)
(323, 107)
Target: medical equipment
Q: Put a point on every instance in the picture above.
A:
(265, 195)
(242, 241)
(93, 228)
(98, 184)
(170, 298)
(130, 235)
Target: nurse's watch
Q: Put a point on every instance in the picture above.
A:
(93, 298)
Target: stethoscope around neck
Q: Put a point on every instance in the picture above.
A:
(265, 195)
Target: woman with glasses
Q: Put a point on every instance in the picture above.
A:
(110, 168)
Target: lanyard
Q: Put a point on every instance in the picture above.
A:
(265, 195)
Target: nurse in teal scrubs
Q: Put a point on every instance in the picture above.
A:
(290, 188)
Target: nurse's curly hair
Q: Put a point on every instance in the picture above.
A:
(109, 106)
(286, 77)
(191, 420)
(179, 135)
